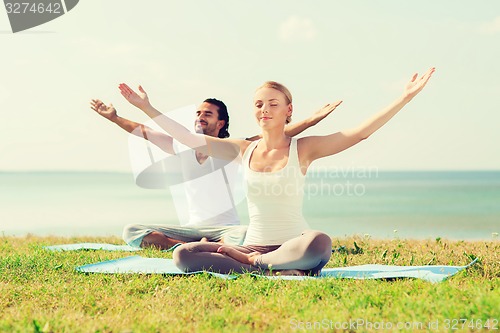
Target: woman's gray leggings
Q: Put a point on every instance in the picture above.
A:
(308, 252)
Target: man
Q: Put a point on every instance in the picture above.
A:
(211, 208)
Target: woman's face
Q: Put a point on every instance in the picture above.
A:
(271, 108)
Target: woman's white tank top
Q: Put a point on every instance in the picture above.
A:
(274, 200)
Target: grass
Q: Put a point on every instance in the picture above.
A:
(41, 292)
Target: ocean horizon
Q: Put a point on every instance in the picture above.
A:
(456, 205)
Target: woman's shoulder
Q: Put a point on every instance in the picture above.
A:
(245, 144)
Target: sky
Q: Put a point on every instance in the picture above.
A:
(361, 52)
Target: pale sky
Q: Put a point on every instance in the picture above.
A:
(362, 52)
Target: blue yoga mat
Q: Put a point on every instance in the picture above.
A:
(138, 264)
(91, 246)
(113, 247)
(97, 246)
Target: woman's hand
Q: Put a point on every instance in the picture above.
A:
(244, 258)
(417, 84)
(140, 100)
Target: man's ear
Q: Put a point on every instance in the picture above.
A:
(221, 123)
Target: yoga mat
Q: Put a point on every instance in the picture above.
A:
(91, 246)
(97, 246)
(113, 247)
(141, 265)
(137, 264)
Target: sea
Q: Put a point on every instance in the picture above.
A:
(455, 205)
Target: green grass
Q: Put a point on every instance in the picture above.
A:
(41, 292)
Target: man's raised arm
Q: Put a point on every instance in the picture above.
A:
(299, 127)
(162, 140)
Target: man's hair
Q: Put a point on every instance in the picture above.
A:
(223, 115)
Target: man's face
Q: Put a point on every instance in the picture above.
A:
(207, 120)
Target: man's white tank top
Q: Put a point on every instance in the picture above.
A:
(205, 198)
(274, 200)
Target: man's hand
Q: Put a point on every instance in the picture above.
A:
(108, 112)
(139, 100)
(323, 112)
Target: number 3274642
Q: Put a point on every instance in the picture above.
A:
(33, 8)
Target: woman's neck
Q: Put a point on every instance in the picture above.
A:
(275, 139)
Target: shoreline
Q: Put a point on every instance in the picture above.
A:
(364, 238)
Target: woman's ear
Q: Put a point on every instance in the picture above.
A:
(289, 113)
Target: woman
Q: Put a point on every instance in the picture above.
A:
(278, 238)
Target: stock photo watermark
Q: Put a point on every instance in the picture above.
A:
(451, 324)
(345, 181)
(27, 14)
(340, 181)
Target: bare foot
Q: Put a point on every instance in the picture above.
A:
(159, 241)
(248, 259)
(205, 240)
(290, 272)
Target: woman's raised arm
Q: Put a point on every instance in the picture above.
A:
(221, 148)
(315, 147)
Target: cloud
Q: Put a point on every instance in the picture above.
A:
(297, 29)
(491, 27)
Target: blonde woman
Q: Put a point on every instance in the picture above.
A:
(275, 166)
